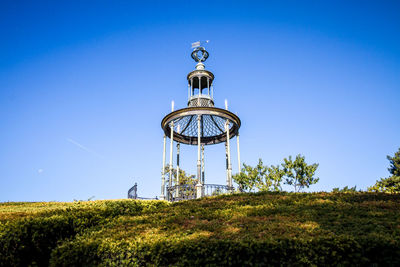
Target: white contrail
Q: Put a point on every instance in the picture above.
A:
(84, 148)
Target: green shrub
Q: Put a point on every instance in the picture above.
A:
(322, 251)
(241, 229)
(29, 241)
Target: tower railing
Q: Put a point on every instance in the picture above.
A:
(189, 191)
(132, 194)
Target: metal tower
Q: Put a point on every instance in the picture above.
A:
(199, 124)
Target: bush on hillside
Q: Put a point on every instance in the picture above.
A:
(262, 228)
(296, 173)
(392, 183)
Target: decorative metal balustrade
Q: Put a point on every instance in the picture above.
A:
(132, 194)
(189, 191)
(186, 192)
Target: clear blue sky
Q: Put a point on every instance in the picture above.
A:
(84, 86)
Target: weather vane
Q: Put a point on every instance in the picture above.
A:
(199, 53)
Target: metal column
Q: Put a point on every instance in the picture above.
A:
(228, 148)
(202, 164)
(171, 149)
(199, 187)
(198, 96)
(178, 146)
(163, 171)
(238, 151)
(228, 152)
(191, 87)
(208, 86)
(226, 163)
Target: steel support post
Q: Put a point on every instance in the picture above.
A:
(198, 96)
(162, 197)
(171, 149)
(202, 165)
(238, 153)
(226, 163)
(191, 87)
(208, 86)
(178, 146)
(199, 187)
(229, 155)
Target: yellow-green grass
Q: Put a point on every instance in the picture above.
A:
(18, 210)
(242, 229)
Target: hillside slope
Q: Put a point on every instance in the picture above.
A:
(242, 229)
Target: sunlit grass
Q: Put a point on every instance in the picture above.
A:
(127, 226)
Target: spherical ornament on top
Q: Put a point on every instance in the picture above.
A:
(200, 54)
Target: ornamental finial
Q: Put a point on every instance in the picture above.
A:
(199, 53)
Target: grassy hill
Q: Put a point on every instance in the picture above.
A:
(241, 229)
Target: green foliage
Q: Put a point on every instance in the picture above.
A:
(345, 189)
(320, 251)
(30, 240)
(264, 228)
(217, 192)
(275, 175)
(259, 178)
(269, 178)
(387, 185)
(298, 173)
(251, 178)
(184, 179)
(394, 168)
(392, 183)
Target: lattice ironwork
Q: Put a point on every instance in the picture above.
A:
(201, 102)
(188, 191)
(212, 125)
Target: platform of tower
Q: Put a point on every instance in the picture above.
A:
(199, 124)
